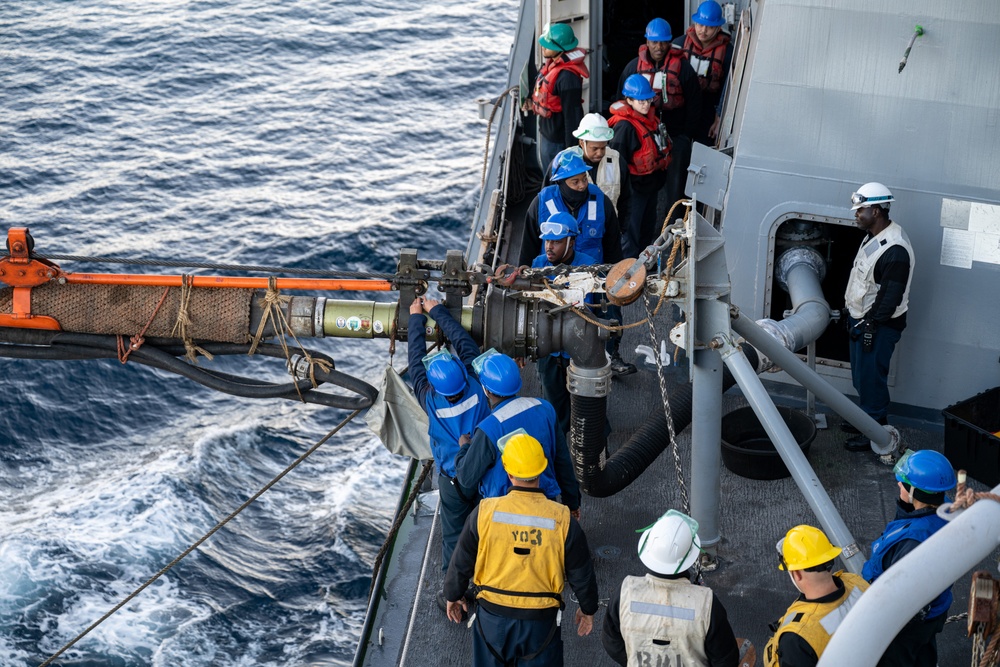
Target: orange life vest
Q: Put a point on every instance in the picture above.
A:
(669, 93)
(652, 154)
(714, 53)
(544, 100)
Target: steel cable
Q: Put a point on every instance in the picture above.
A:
(201, 540)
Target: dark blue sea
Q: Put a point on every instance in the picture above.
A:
(298, 133)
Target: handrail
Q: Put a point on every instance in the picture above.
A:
(366, 629)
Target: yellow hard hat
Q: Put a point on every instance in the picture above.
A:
(523, 456)
(804, 547)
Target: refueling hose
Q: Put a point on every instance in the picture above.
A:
(163, 354)
(588, 441)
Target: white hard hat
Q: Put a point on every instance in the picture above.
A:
(871, 194)
(594, 127)
(671, 545)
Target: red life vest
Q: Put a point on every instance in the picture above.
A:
(651, 156)
(673, 95)
(714, 53)
(544, 100)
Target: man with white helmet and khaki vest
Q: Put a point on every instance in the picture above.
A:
(801, 635)
(608, 171)
(876, 299)
(662, 618)
(520, 549)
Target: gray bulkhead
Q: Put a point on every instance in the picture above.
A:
(821, 109)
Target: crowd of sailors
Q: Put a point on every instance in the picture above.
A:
(509, 497)
(512, 541)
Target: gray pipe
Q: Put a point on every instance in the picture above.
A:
(905, 588)
(811, 380)
(806, 479)
(800, 272)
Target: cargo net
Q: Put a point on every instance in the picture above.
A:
(221, 315)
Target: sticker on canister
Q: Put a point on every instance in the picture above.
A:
(354, 323)
(341, 322)
(377, 327)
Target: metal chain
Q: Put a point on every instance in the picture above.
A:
(202, 539)
(666, 407)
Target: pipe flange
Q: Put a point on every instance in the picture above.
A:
(795, 256)
(889, 450)
(591, 382)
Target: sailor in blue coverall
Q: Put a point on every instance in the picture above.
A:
(558, 235)
(478, 464)
(453, 399)
(923, 478)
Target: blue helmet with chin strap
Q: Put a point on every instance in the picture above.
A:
(658, 30)
(447, 375)
(559, 226)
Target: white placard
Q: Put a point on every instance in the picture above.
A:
(957, 248)
(987, 248)
(984, 218)
(955, 213)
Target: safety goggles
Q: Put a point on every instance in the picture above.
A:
(691, 523)
(555, 229)
(477, 363)
(502, 442)
(858, 199)
(902, 467)
(443, 355)
(597, 134)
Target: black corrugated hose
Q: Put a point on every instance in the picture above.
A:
(588, 441)
(163, 354)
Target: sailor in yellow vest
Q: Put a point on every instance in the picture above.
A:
(662, 618)
(803, 632)
(519, 550)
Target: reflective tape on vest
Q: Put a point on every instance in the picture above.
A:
(456, 410)
(514, 408)
(524, 520)
(667, 611)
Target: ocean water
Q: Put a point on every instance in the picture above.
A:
(301, 133)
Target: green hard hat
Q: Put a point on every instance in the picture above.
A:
(559, 37)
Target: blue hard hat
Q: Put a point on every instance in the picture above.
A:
(500, 376)
(447, 376)
(926, 470)
(637, 88)
(658, 30)
(709, 13)
(559, 226)
(568, 163)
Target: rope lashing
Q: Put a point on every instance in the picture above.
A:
(180, 329)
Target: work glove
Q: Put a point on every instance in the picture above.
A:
(868, 328)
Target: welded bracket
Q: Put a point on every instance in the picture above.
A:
(454, 282)
(411, 282)
(22, 272)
